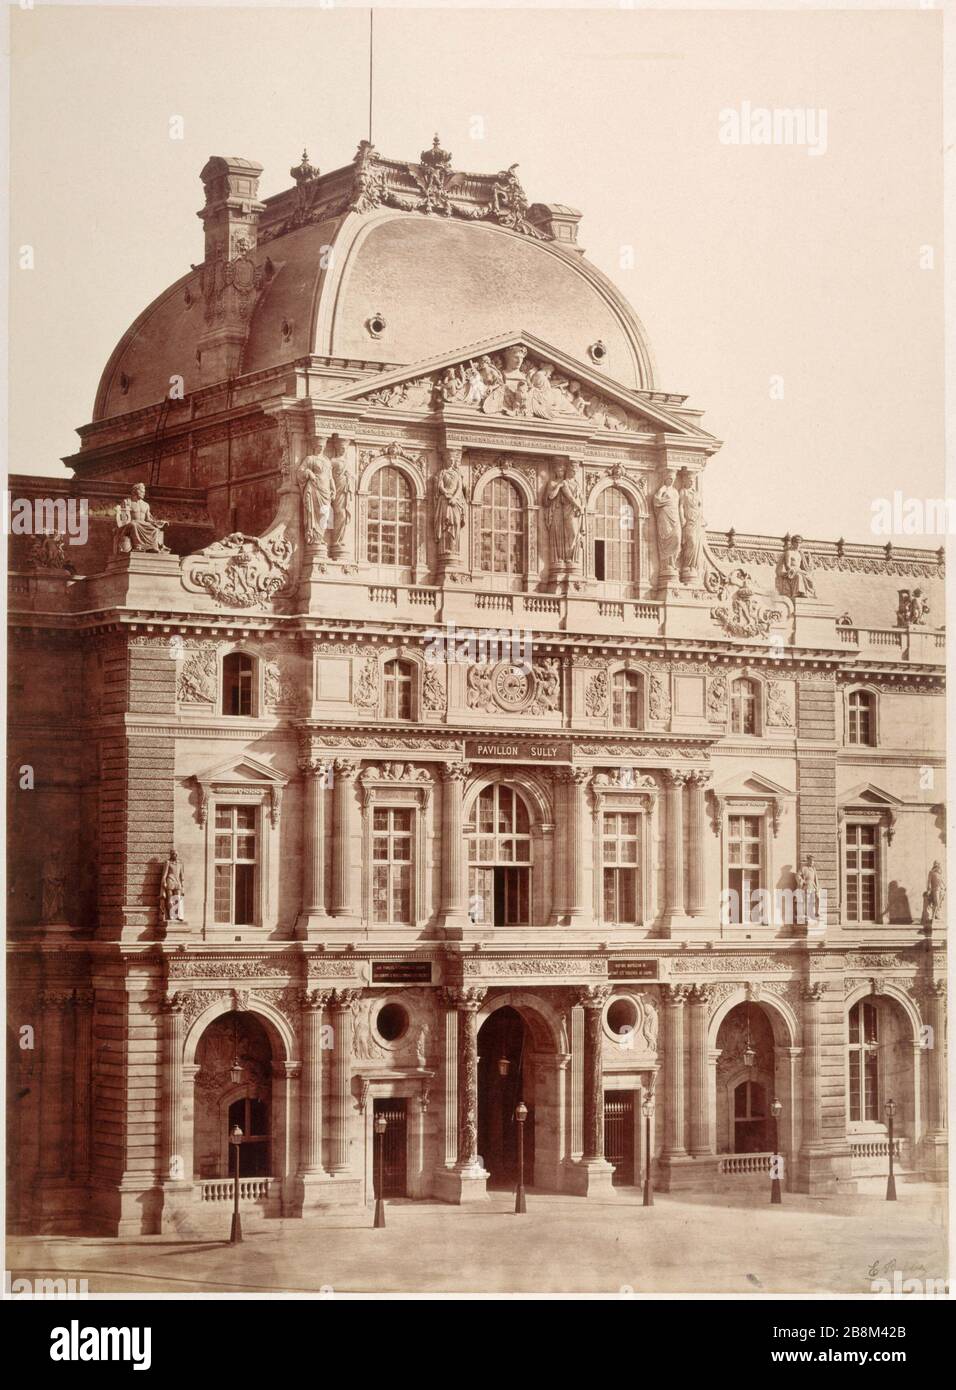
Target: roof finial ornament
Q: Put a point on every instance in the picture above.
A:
(436, 157)
(304, 172)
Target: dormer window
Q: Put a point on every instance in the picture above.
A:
(238, 684)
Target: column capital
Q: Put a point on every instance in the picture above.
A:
(345, 768)
(314, 1000)
(699, 777)
(592, 996)
(700, 994)
(812, 991)
(455, 772)
(467, 999)
(312, 766)
(174, 1003)
(56, 1000)
(675, 777)
(343, 1000)
(577, 776)
(675, 996)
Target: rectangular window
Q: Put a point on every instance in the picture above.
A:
(745, 868)
(864, 1063)
(235, 865)
(391, 865)
(621, 845)
(861, 866)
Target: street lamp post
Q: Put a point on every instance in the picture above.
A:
(521, 1114)
(235, 1235)
(775, 1198)
(379, 1126)
(891, 1179)
(648, 1111)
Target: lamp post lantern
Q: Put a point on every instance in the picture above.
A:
(775, 1160)
(379, 1126)
(648, 1111)
(891, 1178)
(235, 1139)
(521, 1114)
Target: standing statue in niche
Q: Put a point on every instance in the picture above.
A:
(136, 527)
(342, 501)
(692, 531)
(808, 885)
(564, 516)
(172, 890)
(53, 887)
(935, 892)
(318, 494)
(449, 506)
(667, 512)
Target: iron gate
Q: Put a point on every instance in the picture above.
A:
(619, 1135)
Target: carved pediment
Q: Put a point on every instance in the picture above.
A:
(519, 377)
(238, 775)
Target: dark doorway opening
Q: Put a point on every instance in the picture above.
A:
(619, 1135)
(503, 1043)
(252, 1117)
(599, 560)
(395, 1145)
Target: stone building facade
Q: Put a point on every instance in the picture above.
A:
(490, 772)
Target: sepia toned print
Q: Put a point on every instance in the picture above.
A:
(423, 800)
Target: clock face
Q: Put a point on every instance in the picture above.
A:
(512, 685)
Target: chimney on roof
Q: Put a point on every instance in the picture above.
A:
(231, 215)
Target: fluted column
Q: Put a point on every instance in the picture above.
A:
(592, 999)
(934, 1006)
(577, 780)
(467, 1002)
(344, 798)
(55, 1004)
(674, 780)
(310, 1104)
(315, 781)
(812, 995)
(674, 999)
(82, 1083)
(453, 888)
(174, 1166)
(343, 1006)
(696, 825)
(701, 1137)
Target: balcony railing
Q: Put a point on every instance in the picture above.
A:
(221, 1189)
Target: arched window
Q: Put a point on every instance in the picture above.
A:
(390, 525)
(238, 683)
(743, 706)
(398, 690)
(499, 857)
(502, 529)
(861, 721)
(615, 537)
(626, 700)
(864, 1062)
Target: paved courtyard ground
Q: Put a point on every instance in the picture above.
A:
(683, 1244)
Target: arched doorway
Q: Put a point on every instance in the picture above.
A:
(506, 1074)
(233, 1086)
(746, 1081)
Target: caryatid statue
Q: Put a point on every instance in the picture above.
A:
(449, 506)
(318, 494)
(172, 890)
(136, 527)
(564, 516)
(667, 514)
(795, 566)
(341, 499)
(692, 530)
(53, 887)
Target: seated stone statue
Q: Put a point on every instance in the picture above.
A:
(136, 527)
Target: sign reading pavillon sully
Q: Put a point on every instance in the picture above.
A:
(410, 878)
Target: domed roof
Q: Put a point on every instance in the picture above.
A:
(387, 286)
